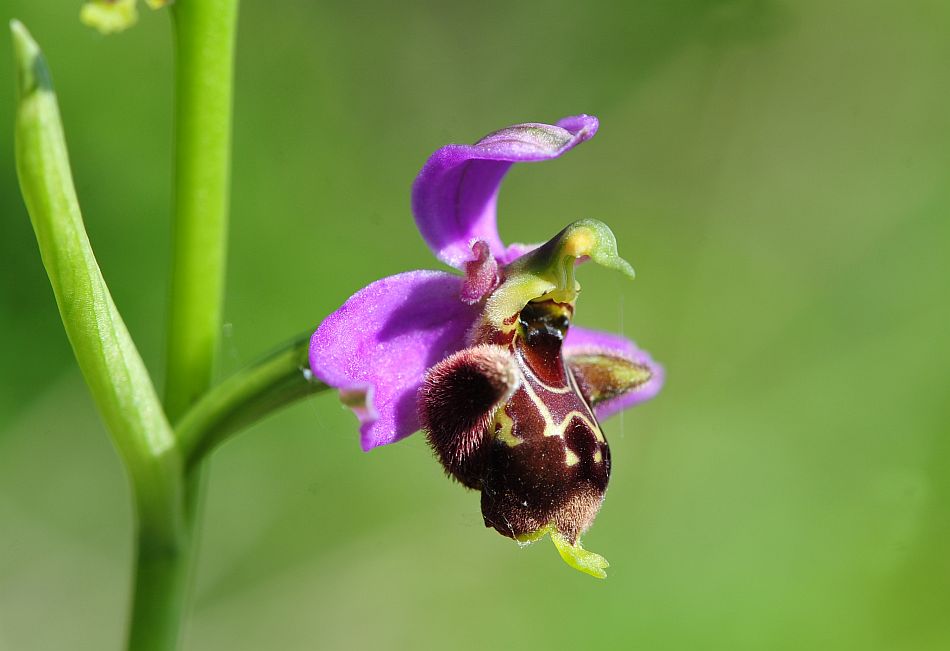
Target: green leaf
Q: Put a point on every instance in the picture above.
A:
(110, 363)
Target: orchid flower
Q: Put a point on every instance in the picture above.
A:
(487, 363)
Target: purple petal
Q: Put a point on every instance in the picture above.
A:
(454, 196)
(380, 343)
(583, 340)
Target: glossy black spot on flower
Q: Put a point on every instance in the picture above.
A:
(542, 327)
(544, 319)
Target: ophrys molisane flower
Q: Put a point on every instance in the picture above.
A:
(488, 364)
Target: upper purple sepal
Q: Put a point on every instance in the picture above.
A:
(454, 196)
(377, 347)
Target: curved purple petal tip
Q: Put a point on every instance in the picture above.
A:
(376, 348)
(454, 196)
(581, 338)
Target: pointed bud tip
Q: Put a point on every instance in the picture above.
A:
(24, 47)
(31, 69)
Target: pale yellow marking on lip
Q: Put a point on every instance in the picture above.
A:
(570, 458)
(557, 429)
(593, 419)
(505, 433)
(598, 457)
(550, 427)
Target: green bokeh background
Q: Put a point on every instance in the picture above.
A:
(777, 172)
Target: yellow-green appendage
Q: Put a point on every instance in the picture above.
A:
(574, 555)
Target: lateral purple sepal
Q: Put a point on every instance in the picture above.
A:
(382, 340)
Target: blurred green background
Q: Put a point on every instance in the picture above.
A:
(777, 172)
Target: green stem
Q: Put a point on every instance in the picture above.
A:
(204, 71)
(205, 33)
(273, 382)
(161, 587)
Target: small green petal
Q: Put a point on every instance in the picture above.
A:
(603, 376)
(110, 16)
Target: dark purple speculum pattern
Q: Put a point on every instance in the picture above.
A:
(547, 461)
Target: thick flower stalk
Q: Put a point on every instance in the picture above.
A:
(488, 364)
